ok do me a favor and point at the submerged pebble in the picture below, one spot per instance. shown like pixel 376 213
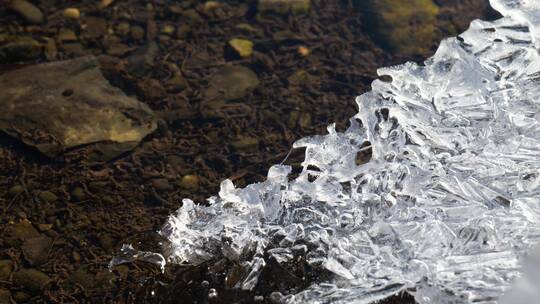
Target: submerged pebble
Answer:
pixel 30 279
pixel 30 12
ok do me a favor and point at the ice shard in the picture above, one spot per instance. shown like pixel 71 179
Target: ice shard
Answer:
pixel 445 209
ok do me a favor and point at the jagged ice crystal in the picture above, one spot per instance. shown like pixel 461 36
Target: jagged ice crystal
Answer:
pixel 445 208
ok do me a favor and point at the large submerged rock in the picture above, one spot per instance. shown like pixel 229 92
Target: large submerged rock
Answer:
pixel 62 105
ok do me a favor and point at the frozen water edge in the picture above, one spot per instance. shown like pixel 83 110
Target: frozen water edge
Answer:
pixel 446 207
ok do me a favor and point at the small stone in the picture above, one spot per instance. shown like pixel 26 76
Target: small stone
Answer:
pixel 304 51
pixel 276 297
pixel 78 194
pixel 211 5
pixel 168 29
pixel 44 227
pixel 245 143
pixel 247 27
pixel 6 267
pixel 66 35
pixel 76 256
pixel 30 279
pixel 72 13
pixel 243 47
pixel 47 196
pixel 162 184
pixel 190 182
pixel 36 250
pixel 293 119
pixel 192 15
pixel 231 82
pixel 20 48
pixel 21 231
pixel 28 11
pixel 304 120
pixel 107 200
pixel 15 190
pixel 105 3
pixel 5 296
pixel 137 32
pixel 123 29
pixel 118 49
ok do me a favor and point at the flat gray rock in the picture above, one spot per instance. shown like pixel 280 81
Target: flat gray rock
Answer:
pixel 62 105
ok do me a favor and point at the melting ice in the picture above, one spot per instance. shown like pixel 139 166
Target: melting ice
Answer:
pixel 446 207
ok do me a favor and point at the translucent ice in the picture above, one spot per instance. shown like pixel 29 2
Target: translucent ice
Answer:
pixel 446 207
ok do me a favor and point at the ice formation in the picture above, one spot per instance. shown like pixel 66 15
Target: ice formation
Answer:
pixel 447 205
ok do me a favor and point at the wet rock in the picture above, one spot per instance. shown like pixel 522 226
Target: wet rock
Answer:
pixel 36 250
pixel 78 194
pixel 19 48
pixel 190 182
pixel 404 27
pixel 6 267
pixel 284 6
pixel 5 296
pixel 72 13
pixel 30 13
pixel 30 279
pixel 47 196
pixel 242 47
pixel 231 82
pixel 245 143
pixel 71 104
pixel 143 60
pixel 137 32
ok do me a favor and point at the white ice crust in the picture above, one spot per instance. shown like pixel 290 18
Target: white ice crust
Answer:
pixel 445 209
